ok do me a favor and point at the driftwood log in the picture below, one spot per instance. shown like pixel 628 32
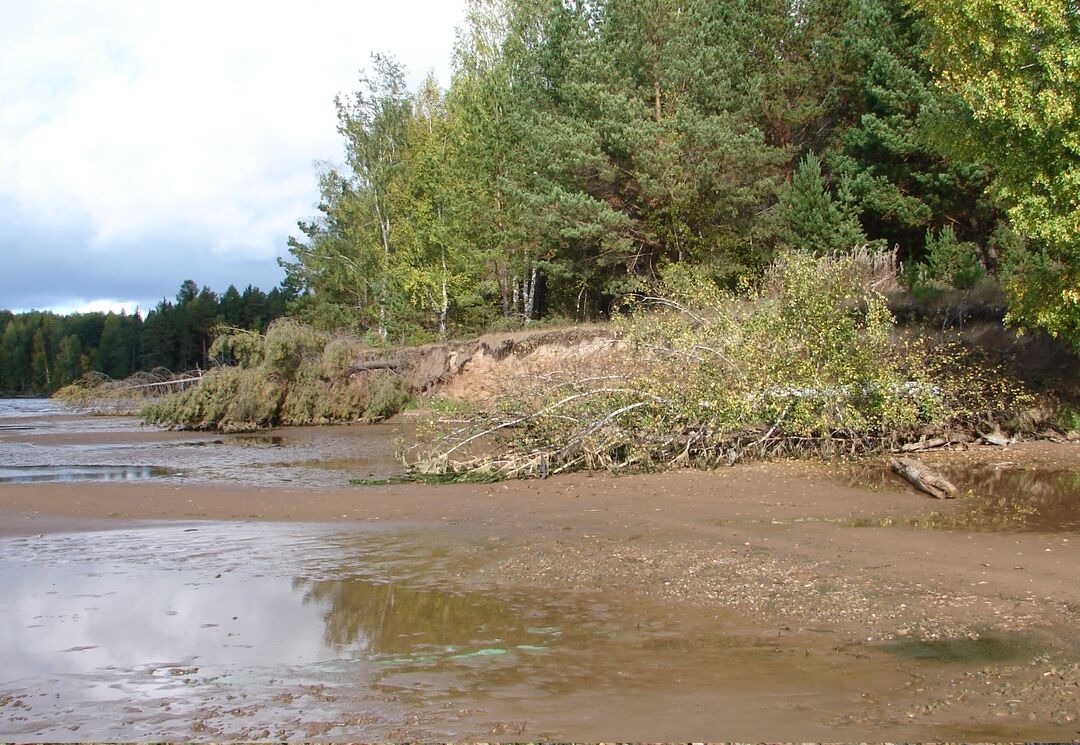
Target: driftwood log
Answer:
pixel 914 447
pixel 923 478
pixel 996 438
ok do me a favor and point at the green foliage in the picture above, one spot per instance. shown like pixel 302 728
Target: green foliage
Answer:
pixel 804 362
pixel 1043 290
pixel 237 347
pixel 811 219
pixel 289 346
pixel 1014 67
pixel 385 397
pixel 42 352
pixel 949 264
pixel 292 375
pixel 583 146
pixel 1068 420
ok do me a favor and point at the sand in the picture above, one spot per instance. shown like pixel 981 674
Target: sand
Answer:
pixel 780 543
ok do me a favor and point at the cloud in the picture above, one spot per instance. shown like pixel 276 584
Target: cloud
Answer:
pixel 45 266
pixel 139 129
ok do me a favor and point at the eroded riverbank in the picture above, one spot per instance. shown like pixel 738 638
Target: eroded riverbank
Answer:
pixel 781 601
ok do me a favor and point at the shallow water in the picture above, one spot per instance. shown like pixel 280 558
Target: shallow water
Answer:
pixel 38 474
pixel 243 631
pixel 1000 497
pixel 257 631
pixel 991 648
pixel 42 441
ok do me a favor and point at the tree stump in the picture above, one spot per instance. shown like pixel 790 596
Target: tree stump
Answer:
pixel 923 478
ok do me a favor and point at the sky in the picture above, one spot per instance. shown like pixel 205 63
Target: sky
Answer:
pixel 147 142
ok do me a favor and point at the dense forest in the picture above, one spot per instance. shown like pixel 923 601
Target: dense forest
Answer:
pixel 585 146
pixel 41 352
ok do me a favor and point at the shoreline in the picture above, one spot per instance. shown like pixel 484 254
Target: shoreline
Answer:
pixel 685 495
pixel 770 525
pixel 786 545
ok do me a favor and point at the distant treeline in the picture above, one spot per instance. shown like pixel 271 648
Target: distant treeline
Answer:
pixel 41 351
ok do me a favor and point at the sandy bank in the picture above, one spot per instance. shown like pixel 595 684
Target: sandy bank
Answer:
pixel 672 500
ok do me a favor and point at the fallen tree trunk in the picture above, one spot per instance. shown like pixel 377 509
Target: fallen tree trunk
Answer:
pixel 394 366
pixel 923 478
pixel 996 438
pixel 914 447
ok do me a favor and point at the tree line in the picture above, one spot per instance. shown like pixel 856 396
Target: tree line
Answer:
pixel 40 352
pixel 583 146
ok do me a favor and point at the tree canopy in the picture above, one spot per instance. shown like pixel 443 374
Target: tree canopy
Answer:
pixel 1013 67
pixel 584 145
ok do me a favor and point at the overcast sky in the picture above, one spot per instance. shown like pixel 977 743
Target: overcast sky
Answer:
pixel 147 142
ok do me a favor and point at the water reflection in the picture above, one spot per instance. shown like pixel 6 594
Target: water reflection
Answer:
pixel 39 474
pixel 212 631
pixel 1001 497
pixel 391 618
pixel 241 595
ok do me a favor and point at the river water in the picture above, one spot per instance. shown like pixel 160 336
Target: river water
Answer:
pixel 41 441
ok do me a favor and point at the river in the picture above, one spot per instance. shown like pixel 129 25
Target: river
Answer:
pixel 41 441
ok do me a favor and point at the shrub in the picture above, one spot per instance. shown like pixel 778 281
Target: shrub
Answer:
pixel 805 362
pixel 293 375
pixel 950 263
pixel 238 347
pixel 386 396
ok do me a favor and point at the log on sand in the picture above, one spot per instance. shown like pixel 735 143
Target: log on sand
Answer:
pixel 923 477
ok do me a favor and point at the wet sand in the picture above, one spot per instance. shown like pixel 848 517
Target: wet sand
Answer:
pixel 859 615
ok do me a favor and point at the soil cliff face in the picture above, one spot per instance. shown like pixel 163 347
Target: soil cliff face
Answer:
pixel 477 368
pixel 474 369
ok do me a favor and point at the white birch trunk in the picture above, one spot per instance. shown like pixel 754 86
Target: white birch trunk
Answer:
pixel 384 227
pixel 445 297
pixel 530 294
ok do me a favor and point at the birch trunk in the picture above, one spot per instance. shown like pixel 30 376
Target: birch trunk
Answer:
pixel 445 297
pixel 530 294
pixel 384 227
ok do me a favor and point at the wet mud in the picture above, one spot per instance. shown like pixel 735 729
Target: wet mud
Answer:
pixel 241 631
pixel 777 601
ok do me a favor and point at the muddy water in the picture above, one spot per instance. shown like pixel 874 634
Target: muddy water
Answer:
pixel 241 631
pixel 40 441
pixel 996 497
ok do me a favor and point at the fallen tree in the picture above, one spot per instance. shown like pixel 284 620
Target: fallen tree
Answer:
pixel 806 363
pixel 97 393
pixel 291 375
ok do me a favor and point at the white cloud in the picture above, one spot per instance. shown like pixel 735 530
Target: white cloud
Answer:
pixel 156 123
pixel 100 305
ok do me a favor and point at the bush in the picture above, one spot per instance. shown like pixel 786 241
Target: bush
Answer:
pixel 293 375
pixel 950 264
pixel 805 362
